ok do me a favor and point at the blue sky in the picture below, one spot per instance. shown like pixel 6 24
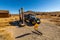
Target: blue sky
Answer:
pixel 35 5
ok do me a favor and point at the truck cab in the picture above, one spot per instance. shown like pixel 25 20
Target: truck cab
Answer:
pixel 32 19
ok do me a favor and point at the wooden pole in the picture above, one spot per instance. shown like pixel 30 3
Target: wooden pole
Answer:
pixel 19 15
pixel 22 12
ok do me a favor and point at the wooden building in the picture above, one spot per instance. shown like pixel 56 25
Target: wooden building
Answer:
pixel 4 13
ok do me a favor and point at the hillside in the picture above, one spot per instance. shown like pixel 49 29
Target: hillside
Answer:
pixel 49 27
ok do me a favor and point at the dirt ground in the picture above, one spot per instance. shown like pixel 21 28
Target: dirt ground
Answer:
pixel 49 30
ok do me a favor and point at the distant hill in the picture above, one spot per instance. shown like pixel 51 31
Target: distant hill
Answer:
pixel 43 13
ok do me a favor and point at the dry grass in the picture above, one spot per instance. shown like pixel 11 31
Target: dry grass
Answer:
pixel 45 28
pixel 56 20
pixel 5 28
pixel 5 35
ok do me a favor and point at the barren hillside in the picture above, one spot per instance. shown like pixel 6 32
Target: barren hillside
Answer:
pixel 49 27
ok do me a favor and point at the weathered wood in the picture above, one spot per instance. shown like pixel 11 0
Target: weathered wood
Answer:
pixel 4 13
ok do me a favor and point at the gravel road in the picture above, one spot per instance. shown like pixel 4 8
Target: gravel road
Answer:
pixel 49 32
pixel 47 29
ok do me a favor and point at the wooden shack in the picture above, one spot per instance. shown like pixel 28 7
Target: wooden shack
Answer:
pixel 4 13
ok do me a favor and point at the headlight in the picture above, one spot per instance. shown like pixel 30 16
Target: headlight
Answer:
pixel 38 21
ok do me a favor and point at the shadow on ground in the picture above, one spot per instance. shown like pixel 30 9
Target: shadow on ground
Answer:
pixel 34 32
pixel 23 35
pixel 16 23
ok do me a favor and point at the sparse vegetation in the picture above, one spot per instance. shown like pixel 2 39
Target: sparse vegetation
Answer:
pixel 45 28
pixel 56 20
pixel 4 35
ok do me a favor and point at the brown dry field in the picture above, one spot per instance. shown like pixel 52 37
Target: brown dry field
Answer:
pixel 49 27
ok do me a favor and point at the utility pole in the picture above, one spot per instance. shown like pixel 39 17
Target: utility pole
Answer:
pixel 21 17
